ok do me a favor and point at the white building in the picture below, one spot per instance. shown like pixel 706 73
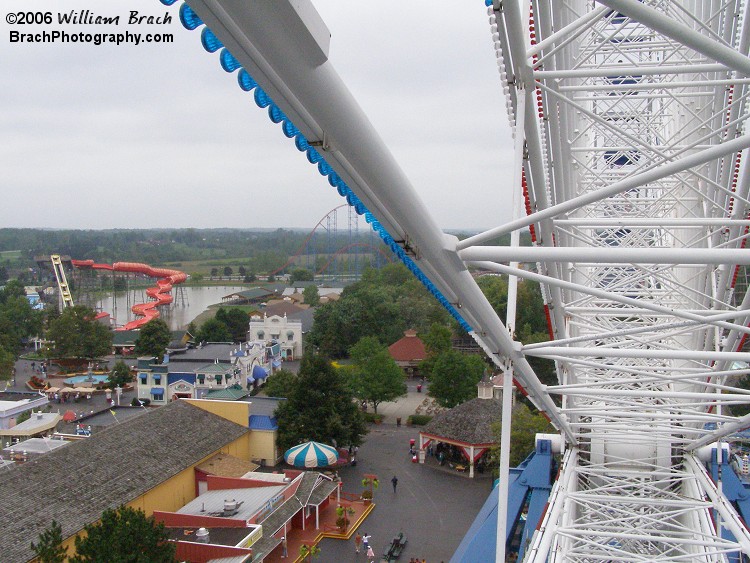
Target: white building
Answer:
pixel 288 334
pixel 14 403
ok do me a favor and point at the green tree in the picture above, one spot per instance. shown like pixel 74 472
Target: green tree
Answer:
pixel 50 549
pixel 7 364
pixel 236 321
pixel 320 407
pixel 311 296
pixel 454 377
pixel 77 334
pixel 213 330
pixel 228 271
pixel 280 383
pixel 300 274
pixel 153 339
pixel 18 319
pixel 122 536
pixel 436 342
pixel 377 378
pixel 525 425
pixel 119 376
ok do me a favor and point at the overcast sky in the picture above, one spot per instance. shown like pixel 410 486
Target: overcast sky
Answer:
pixel 160 136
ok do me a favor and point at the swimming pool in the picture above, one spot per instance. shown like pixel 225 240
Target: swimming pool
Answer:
pixel 85 378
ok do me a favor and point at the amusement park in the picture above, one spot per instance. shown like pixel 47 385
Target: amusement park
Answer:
pixel 335 252
pixel 569 384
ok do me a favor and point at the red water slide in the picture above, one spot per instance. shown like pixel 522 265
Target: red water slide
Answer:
pixel 160 293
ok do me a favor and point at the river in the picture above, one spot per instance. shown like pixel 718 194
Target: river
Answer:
pixel 189 302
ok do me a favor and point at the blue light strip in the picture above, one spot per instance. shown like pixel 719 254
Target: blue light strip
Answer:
pixel 211 43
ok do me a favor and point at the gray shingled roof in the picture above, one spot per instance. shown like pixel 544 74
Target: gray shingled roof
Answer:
pixel 468 422
pixel 322 491
pixel 75 484
pixel 282 514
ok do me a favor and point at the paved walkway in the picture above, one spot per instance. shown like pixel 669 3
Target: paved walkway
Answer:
pixel 433 508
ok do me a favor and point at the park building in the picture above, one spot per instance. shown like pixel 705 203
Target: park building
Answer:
pixel 15 403
pixel 203 449
pixel 286 332
pixel 202 372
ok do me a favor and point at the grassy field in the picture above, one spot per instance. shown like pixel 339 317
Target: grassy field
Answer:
pixel 10 255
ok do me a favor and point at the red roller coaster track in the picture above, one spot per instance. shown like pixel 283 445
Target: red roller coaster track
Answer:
pixel 160 293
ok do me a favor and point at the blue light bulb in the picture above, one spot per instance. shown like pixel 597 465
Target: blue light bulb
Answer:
pixel 209 41
pixel 168 2
pixel 360 208
pixel 228 62
pixel 313 156
pixel 189 18
pixel 324 168
pixel 301 143
pixel 289 129
pixel 275 114
pixel 246 81
pixel 262 99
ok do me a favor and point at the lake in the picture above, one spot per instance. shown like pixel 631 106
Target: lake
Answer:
pixel 189 302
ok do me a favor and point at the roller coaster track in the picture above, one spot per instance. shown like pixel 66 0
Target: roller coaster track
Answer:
pixel 322 224
pixel 160 293
pixel 631 170
pixel 345 249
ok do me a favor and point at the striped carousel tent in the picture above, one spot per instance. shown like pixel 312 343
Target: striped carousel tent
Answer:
pixel 311 454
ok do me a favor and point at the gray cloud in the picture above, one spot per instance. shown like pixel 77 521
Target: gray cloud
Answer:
pixel 142 136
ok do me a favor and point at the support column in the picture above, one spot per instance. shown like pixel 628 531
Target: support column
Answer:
pixel 471 462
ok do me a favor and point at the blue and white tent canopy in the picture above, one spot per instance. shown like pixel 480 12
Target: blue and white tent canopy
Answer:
pixel 311 454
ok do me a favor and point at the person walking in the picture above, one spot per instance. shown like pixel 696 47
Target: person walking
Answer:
pixel 366 540
pixel 357 542
pixel 370 554
pixel 283 547
pixel 394 481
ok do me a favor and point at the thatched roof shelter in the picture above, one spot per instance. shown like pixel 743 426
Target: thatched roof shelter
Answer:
pixel 467 426
pixel 467 423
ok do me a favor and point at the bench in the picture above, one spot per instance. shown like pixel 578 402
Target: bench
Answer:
pixel 396 547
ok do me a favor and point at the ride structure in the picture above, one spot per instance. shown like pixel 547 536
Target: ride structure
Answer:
pixel 337 253
pixel 66 297
pixel 631 171
pixel 160 293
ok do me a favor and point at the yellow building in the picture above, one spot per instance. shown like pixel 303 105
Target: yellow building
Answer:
pixel 147 462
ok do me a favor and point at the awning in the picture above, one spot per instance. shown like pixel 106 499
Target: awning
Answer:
pixel 259 372
pixel 276 363
pixel 157 391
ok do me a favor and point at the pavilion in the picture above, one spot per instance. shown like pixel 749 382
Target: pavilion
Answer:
pixel 466 426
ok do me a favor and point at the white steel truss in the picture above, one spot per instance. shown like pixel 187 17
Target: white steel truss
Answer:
pixel 636 177
pixel 629 120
